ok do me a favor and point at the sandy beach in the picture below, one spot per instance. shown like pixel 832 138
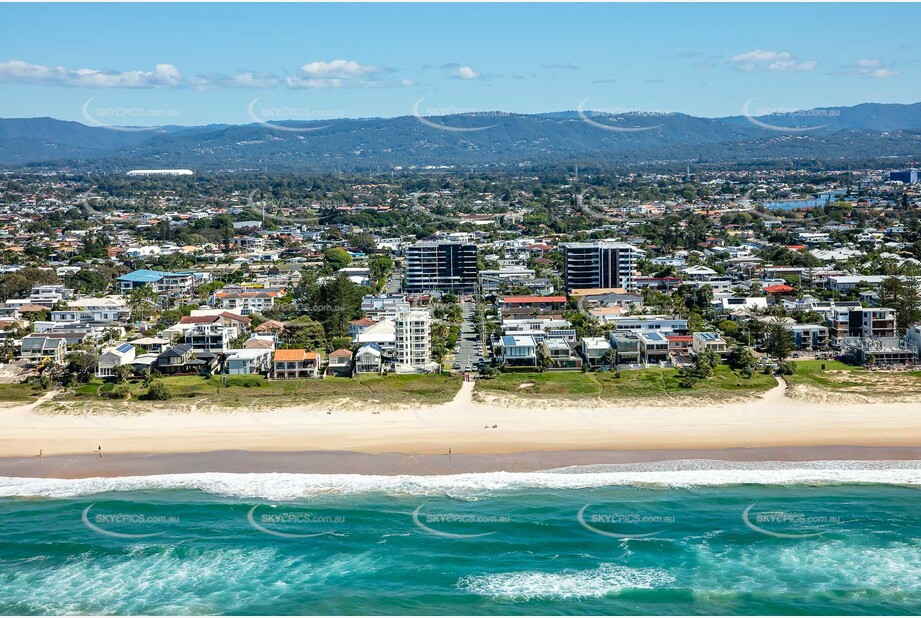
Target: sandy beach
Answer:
pixel 467 428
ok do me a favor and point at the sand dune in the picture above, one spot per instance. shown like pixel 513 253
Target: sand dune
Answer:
pixel 466 426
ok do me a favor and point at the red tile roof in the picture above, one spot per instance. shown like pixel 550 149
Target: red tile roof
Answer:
pixel 297 355
pixel 778 289
pixel 199 319
pixel 533 299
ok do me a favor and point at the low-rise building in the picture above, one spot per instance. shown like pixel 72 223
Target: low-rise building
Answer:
pixel 560 355
pixel 856 322
pixel 248 361
pixel 295 363
pixel 37 348
pixel 594 351
pixel 112 358
pixel 654 347
pixel 340 363
pixel 703 341
pixel 369 359
pixel 103 310
pixel 245 302
pixel 518 350
pixel 522 306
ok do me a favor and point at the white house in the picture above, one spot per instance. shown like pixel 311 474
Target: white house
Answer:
pixel 113 358
pixel 518 350
pixel 594 349
pixel 248 361
pixel 368 359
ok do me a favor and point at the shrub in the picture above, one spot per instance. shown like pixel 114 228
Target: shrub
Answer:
pixel 119 392
pixel 158 391
pixel 786 368
pixel 250 382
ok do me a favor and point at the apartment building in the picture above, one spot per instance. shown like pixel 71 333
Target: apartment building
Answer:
pixel 599 265
pixel 162 282
pixel 441 266
pixel 860 322
pixel 103 310
pixel 413 344
pixel 245 302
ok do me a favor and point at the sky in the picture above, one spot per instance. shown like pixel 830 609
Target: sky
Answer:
pixel 194 64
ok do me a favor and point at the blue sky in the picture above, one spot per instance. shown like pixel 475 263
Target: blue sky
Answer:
pixel 149 64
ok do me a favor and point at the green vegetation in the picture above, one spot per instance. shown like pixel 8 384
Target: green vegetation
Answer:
pixel 811 373
pixel 638 383
pixel 842 379
pixel 24 393
pixel 255 391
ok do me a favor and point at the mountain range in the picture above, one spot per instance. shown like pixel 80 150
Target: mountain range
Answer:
pixel 824 137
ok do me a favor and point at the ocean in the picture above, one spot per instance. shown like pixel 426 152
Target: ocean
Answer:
pixel 692 537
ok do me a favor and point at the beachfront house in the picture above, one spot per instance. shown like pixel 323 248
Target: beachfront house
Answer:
pixel 559 355
pixel 295 363
pixel 248 361
pixel 177 360
pixel 368 359
pixel 518 350
pixel 653 347
pixel 703 341
pixel 112 358
pixel 36 348
pixel 594 350
pixel 340 363
pixel 627 346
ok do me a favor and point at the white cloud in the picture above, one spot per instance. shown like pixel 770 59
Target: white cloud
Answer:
pixel 344 74
pixel 466 72
pixel 334 74
pixel 761 60
pixel 872 68
pixel 24 72
pixel 241 79
pixel 341 69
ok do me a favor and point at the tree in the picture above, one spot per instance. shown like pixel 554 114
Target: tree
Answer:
pixel 158 391
pixel 610 358
pixel 122 373
pixel 743 360
pixel 704 363
pixel 904 297
pixel 336 258
pixel 778 342
pixel 303 332
pixel 380 266
pixel 80 367
pixel 143 302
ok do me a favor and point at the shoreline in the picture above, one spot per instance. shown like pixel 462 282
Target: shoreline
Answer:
pixel 508 434
pixel 400 464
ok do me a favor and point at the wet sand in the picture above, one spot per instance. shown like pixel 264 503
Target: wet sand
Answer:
pixel 344 462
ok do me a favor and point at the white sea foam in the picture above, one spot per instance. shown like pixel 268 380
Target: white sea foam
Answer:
pixel 170 580
pixel 525 585
pixel 280 487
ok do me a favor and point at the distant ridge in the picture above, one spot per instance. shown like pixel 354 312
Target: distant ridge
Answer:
pixel 865 132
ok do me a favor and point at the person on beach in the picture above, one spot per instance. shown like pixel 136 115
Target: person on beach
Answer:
pixel 41 454
pixel 99 451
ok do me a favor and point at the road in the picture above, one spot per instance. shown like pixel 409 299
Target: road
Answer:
pixel 467 353
pixel 395 281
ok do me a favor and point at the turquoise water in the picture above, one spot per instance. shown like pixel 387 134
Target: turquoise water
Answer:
pixel 576 542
